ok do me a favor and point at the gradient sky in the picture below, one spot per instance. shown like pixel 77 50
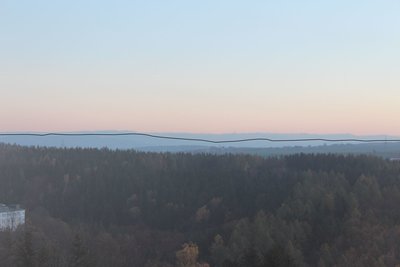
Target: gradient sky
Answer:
pixel 201 66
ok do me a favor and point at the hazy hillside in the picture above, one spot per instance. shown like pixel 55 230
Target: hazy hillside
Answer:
pixel 144 143
pixel 261 148
pixel 386 150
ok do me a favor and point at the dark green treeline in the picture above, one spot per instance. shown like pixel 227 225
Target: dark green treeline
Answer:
pixel 89 207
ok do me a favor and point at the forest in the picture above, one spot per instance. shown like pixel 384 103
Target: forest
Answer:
pixel 101 207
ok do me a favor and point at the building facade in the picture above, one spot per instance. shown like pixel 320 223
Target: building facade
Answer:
pixel 11 216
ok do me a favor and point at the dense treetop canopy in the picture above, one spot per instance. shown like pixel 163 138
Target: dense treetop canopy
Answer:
pixel 90 207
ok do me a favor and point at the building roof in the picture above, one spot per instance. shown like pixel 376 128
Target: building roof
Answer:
pixel 8 208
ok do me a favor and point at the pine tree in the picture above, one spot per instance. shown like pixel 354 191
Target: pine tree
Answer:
pixel 79 253
pixel 25 254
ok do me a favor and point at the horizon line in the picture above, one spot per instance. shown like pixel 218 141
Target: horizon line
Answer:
pixel 204 140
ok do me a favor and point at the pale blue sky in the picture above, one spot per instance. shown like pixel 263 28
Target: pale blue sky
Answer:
pixel 200 66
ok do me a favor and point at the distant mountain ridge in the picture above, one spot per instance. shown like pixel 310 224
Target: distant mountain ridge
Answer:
pixel 144 143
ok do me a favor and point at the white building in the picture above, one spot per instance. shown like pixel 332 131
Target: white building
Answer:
pixel 11 217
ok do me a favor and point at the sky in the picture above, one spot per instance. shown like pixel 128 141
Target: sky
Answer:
pixel 201 66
